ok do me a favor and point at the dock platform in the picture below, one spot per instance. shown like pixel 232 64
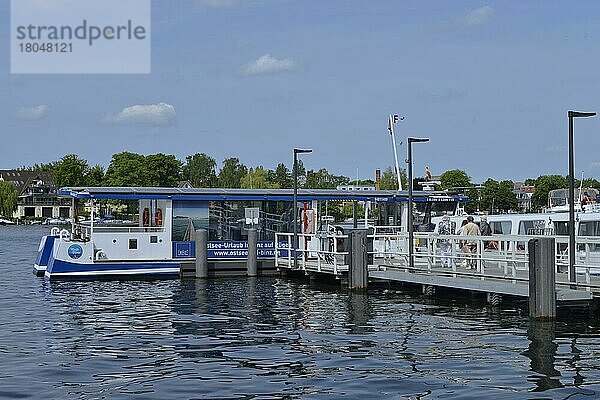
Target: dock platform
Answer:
pixel 503 271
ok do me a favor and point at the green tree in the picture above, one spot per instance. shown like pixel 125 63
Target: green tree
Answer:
pixel 543 185
pixel 127 169
pixel 322 179
pixel 8 199
pixel 281 177
pixel 232 173
pixel 201 170
pixel 95 176
pixel 162 170
pixel 455 178
pixel 256 178
pixel 70 171
pixel 498 196
pixel 388 180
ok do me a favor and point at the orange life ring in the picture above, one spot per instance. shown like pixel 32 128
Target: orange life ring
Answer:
pixel 158 217
pixel 146 217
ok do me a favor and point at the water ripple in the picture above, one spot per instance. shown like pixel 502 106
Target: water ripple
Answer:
pixel 273 338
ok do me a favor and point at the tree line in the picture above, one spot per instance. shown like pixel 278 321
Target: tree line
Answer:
pixel 201 170
pixel 494 196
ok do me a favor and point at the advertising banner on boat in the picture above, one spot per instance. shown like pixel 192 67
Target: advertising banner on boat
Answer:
pixel 227 250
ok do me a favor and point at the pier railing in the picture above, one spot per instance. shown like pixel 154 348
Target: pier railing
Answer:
pixel 498 257
pixel 484 257
pixel 315 252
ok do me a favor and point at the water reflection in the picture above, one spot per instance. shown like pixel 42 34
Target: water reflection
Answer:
pixel 542 353
pixel 275 338
pixel 359 312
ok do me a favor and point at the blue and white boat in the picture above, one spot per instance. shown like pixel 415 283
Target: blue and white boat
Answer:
pixel 160 240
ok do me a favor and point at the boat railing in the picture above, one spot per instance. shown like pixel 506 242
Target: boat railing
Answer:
pixel 85 230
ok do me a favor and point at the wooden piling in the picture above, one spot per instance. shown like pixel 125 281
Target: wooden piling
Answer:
pixel 201 240
pixel 358 274
pixel 542 280
pixel 251 261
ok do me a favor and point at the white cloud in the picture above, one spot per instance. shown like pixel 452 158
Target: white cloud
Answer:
pixel 595 165
pixel 477 17
pixel 32 113
pixel 161 114
pixel 268 65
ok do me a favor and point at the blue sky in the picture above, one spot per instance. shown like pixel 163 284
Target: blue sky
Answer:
pixel 489 83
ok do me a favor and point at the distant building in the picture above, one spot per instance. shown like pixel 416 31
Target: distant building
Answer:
pixel 523 193
pixel 37 195
pixel 185 185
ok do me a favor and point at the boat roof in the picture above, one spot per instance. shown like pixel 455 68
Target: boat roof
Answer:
pixel 225 194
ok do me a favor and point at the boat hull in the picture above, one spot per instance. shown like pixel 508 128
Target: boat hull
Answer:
pixel 75 260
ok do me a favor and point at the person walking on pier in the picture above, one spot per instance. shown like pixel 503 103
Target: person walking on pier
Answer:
pixel 471 229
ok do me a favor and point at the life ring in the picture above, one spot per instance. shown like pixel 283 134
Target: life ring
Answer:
pixel 158 217
pixel 146 217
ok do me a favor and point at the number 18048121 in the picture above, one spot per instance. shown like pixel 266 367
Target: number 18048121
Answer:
pixel 46 47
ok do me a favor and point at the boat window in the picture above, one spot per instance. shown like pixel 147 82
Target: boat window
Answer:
pixel 501 227
pixel 187 216
pixel 534 227
pixel 589 228
pixel 561 228
pixel 133 244
pixel 441 208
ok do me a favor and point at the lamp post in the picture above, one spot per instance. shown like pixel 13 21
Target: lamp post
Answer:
pixel 572 249
pixel 295 206
pixel 411 140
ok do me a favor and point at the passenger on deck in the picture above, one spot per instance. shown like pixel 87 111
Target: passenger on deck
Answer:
pixel 484 227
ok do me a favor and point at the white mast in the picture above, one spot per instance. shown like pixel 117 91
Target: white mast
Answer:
pixel 393 118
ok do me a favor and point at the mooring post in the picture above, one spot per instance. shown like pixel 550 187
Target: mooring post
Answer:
pixel 542 283
pixel 201 240
pixel 358 275
pixel 252 253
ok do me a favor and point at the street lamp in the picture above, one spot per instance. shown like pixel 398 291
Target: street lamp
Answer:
pixel 295 206
pixel 572 249
pixel 411 140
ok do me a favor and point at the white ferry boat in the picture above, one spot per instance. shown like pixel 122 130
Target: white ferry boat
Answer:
pixel 553 221
pixel 159 240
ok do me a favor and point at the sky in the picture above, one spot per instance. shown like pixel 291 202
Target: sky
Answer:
pixel 490 84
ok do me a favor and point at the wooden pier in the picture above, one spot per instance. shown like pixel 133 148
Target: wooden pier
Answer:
pixel 532 267
pixel 502 269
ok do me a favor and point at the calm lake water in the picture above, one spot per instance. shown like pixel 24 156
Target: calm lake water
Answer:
pixel 273 338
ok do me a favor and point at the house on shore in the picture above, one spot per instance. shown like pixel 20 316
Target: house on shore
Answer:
pixel 37 195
